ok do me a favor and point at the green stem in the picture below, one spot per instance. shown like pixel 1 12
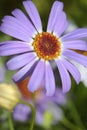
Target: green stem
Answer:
pixel 10 121
pixel 33 113
pixel 69 125
pixel 75 114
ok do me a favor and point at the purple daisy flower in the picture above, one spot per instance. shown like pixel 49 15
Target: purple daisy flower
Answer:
pixel 43 105
pixel 35 48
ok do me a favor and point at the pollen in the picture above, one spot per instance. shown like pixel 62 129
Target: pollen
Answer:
pixel 47 46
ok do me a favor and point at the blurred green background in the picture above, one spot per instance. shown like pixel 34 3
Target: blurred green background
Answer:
pixel 76 11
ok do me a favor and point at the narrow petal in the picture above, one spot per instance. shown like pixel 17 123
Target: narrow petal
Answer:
pixel 76 57
pixel 15 22
pixel 24 71
pixel 23 19
pixel 33 14
pixel 20 61
pixel 55 11
pixel 60 25
pixel 66 82
pixel 76 34
pixel 14 44
pixel 12 51
pixel 76 44
pixel 14 47
pixel 73 70
pixel 49 80
pixel 16 29
pixel 37 76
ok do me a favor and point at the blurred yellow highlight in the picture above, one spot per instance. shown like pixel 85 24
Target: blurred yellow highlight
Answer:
pixel 9 96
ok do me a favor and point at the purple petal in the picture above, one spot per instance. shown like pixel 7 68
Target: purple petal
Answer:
pixel 59 97
pixel 61 24
pixel 39 117
pixel 23 19
pixel 54 14
pixel 20 61
pixel 21 112
pixel 14 42
pixel 37 76
pixel 66 82
pixel 76 34
pixel 20 117
pixel 33 14
pixel 73 70
pixel 16 29
pixel 19 75
pixel 17 24
pixel 76 57
pixel 49 80
pixel 76 44
pixel 14 47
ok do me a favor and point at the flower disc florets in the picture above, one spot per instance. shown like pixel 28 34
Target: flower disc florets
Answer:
pixel 47 46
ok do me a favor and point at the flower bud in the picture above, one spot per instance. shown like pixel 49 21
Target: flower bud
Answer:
pixel 9 96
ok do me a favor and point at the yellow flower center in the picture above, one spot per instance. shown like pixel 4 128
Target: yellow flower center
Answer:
pixel 47 46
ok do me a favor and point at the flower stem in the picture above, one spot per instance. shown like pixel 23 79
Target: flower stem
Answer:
pixel 33 113
pixel 10 121
pixel 69 125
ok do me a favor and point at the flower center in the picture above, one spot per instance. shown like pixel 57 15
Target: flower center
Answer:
pixel 47 46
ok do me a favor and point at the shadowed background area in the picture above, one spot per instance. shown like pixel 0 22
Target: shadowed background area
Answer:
pixel 75 9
